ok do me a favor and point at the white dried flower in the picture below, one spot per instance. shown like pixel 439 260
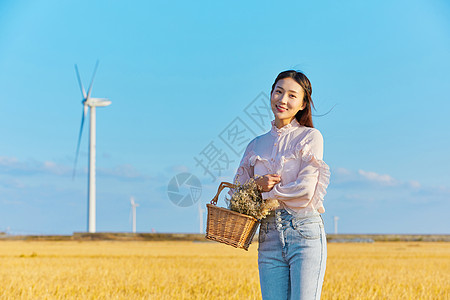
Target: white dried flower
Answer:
pixel 247 200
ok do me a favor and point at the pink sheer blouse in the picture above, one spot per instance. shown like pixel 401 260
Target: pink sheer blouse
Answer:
pixel 295 152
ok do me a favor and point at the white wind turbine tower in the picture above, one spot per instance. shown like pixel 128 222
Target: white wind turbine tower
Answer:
pixel 90 103
pixel 336 218
pixel 133 207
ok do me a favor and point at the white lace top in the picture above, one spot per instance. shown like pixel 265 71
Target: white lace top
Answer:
pixel 295 152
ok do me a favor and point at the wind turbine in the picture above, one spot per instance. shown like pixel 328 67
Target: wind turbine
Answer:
pixel 336 218
pixel 90 103
pixel 133 207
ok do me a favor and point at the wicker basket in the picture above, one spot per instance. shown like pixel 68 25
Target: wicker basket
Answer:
pixel 229 227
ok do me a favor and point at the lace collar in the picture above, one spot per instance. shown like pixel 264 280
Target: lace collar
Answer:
pixel 285 129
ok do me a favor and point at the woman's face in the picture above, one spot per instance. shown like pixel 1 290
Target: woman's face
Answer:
pixel 286 100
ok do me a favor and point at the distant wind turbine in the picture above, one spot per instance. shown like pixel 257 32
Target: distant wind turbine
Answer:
pixel 133 207
pixel 336 218
pixel 91 103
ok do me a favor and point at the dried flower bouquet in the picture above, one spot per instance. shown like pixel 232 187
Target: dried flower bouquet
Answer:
pixel 247 200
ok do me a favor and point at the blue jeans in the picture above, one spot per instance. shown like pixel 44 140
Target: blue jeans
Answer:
pixel 292 256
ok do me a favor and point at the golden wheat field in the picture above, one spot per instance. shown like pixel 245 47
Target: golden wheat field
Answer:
pixel 209 270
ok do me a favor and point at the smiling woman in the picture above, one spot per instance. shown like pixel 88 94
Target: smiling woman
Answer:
pixel 287 164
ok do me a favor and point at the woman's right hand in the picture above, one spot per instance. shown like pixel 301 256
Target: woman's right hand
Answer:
pixel 267 182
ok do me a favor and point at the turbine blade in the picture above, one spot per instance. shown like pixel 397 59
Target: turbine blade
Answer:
pixel 92 80
pixel 83 116
pixel 83 92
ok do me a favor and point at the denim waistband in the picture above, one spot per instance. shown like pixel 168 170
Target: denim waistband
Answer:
pixel 283 216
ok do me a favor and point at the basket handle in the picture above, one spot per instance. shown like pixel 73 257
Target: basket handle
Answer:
pixel 221 187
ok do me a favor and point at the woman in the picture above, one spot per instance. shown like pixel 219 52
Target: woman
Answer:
pixel 287 165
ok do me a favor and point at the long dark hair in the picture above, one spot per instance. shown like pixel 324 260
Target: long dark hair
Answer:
pixel 304 116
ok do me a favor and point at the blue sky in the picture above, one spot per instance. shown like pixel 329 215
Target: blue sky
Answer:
pixel 179 73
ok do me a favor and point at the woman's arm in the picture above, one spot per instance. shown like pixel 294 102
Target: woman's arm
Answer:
pixel 313 171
